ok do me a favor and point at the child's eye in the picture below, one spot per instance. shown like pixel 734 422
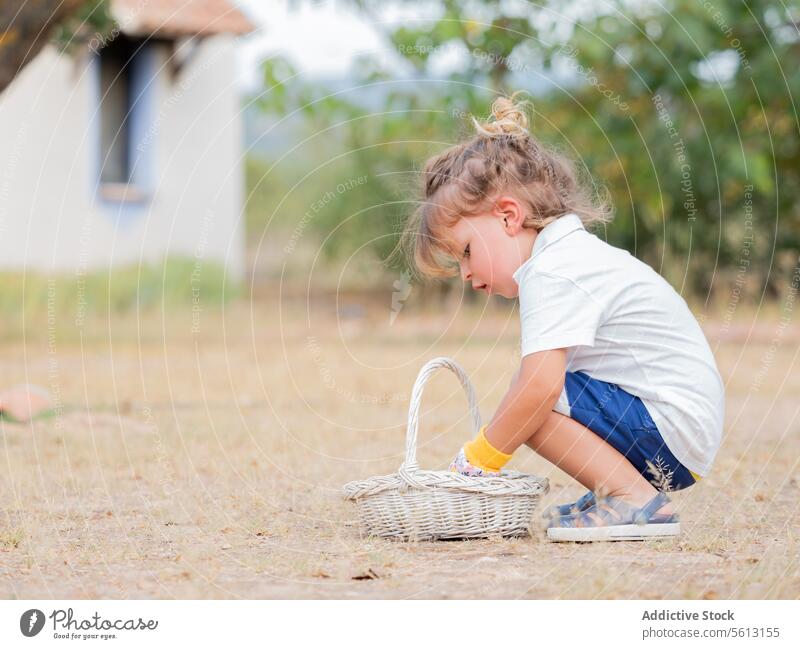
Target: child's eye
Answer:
pixel 466 251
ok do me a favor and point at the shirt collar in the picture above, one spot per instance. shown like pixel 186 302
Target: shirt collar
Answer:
pixel 549 234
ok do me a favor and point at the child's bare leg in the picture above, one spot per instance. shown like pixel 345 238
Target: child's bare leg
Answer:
pixel 592 461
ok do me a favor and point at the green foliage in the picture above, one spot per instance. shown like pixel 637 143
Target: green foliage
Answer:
pixel 92 20
pixel 684 111
pixel 29 299
pixel 707 100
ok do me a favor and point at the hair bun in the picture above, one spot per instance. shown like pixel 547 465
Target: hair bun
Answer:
pixel 508 117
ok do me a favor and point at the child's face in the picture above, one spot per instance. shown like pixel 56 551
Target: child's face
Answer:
pixel 492 246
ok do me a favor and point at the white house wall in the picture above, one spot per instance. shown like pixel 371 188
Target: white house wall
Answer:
pixel 188 146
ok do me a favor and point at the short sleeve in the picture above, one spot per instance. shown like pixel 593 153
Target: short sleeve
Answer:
pixel 555 312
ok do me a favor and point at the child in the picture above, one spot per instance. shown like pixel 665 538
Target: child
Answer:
pixel 617 385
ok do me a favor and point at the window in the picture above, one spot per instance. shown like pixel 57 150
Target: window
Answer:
pixel 121 106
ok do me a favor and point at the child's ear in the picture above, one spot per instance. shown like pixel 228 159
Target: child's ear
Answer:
pixel 510 211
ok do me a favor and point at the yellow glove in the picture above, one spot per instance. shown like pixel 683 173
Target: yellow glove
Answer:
pixel 482 455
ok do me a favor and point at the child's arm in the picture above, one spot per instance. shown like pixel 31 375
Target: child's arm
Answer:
pixel 529 400
pixel 526 405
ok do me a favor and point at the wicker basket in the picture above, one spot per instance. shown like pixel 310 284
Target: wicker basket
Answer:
pixel 425 505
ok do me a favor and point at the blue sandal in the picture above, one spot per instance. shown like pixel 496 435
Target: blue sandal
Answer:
pixel 619 521
pixel 583 503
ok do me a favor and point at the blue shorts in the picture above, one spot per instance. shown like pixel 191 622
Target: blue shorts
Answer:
pixel 622 420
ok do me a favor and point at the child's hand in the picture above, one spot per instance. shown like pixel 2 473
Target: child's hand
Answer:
pixel 461 465
pixel 479 458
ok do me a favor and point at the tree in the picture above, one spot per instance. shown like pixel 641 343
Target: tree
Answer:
pixel 26 27
pixel 686 112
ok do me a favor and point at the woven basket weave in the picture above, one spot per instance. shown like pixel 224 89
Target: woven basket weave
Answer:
pixel 421 505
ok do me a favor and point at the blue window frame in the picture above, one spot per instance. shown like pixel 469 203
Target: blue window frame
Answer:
pixel 125 72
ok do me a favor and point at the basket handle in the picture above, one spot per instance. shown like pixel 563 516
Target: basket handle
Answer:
pixel 410 466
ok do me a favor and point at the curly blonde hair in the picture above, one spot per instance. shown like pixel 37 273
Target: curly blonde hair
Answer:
pixel 464 180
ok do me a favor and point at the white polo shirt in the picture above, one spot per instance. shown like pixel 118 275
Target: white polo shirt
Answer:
pixel 623 323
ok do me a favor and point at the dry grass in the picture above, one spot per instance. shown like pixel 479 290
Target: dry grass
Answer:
pixel 208 465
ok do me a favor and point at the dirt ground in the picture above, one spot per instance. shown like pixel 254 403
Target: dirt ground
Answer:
pixel 202 456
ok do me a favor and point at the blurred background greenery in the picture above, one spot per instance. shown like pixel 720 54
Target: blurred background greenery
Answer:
pixel 682 112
